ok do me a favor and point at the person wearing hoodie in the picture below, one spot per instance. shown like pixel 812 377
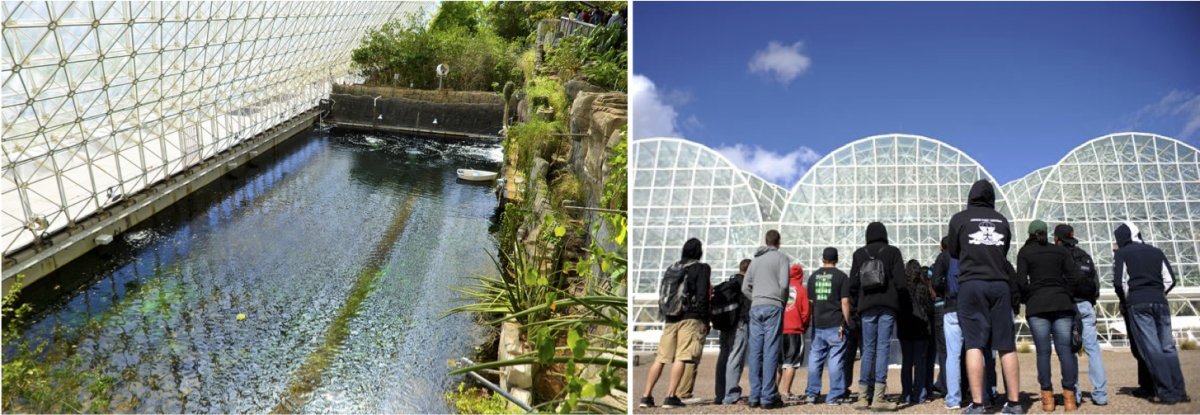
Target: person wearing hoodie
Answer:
pixel 829 292
pixel 1142 277
pixel 795 323
pixel 877 308
pixel 1045 277
pixel 682 339
pixel 1087 291
pixel 945 284
pixel 736 356
pixel 767 286
pixel 979 237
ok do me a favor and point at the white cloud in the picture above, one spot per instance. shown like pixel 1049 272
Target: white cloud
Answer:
pixel 782 169
pixel 1177 108
pixel 783 63
pixel 651 116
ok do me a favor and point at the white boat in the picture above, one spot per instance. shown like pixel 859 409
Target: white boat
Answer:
pixel 477 175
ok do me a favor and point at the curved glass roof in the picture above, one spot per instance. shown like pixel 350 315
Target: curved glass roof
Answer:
pixel 771 197
pixel 1150 180
pixel 681 190
pixel 912 184
pixel 102 99
pixel 1022 192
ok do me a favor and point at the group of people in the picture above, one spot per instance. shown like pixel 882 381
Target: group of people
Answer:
pixel 961 312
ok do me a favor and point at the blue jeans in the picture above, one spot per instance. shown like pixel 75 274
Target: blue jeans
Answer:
pixel 1152 328
pixel 826 347
pixel 1091 345
pixel 734 364
pixel 954 350
pixel 914 381
pixel 1057 327
pixel 877 337
pixel 765 327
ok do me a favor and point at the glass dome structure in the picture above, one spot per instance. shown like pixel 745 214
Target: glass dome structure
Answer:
pixel 679 190
pixel 912 184
pixel 771 198
pixel 1021 193
pixel 104 99
pixel 1149 180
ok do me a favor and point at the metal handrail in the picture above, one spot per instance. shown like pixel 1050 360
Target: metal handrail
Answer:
pixel 495 388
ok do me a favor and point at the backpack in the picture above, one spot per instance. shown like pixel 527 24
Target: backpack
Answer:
pixel 673 295
pixel 873 275
pixel 952 279
pixel 726 303
pixel 1088 283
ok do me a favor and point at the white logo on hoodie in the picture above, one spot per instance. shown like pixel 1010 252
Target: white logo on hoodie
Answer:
pixel 986 235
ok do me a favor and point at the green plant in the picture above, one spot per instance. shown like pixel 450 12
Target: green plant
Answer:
pixel 467 400
pixel 518 289
pixel 530 139
pixel 550 91
pixel 1024 347
pixel 1189 344
pixel 565 187
pixel 35 376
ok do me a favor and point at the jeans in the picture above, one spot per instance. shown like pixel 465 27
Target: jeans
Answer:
pixel 877 337
pixel 1054 326
pixel 913 370
pixel 725 343
pixel 1091 345
pixel 853 344
pixel 765 328
pixel 939 345
pixel 1152 327
pixel 826 347
pixel 954 350
pixel 736 361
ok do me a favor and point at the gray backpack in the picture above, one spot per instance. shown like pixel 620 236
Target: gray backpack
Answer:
pixel 673 295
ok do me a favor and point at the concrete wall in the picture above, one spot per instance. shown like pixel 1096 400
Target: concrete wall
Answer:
pixel 459 112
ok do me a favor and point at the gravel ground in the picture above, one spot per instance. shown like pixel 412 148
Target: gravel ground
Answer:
pixel 1120 365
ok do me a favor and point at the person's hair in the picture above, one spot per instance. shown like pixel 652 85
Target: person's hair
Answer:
pixel 826 261
pixel 912 269
pixel 1038 237
pixel 745 265
pixel 773 238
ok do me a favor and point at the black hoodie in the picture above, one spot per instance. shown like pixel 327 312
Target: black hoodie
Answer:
pixel 1141 273
pixel 871 302
pixel 1045 276
pixel 980 237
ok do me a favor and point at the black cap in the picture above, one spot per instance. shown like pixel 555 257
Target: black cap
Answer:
pixel 1063 231
pixel 829 254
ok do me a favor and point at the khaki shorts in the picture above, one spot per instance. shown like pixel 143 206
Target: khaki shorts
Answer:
pixel 681 341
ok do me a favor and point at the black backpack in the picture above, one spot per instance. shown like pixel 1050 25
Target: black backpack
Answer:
pixel 726 305
pixel 873 274
pixel 673 293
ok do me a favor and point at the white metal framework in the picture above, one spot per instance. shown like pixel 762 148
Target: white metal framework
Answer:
pixel 1021 193
pixel 103 99
pixel 681 190
pixel 771 198
pixel 912 184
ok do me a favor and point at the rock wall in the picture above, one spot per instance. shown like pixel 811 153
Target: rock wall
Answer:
pixel 454 111
pixel 598 116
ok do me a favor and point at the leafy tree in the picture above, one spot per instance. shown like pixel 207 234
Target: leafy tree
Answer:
pixel 452 14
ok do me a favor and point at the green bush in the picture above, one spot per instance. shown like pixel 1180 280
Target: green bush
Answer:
pixel 550 91
pixel 529 139
pixel 468 400
pixel 406 49
pixel 1189 345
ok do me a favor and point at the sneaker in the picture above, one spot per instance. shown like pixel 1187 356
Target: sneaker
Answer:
pixel 773 405
pixel 753 405
pixel 1012 409
pixel 952 408
pixel 1099 402
pixel 810 399
pixel 672 402
pixel 791 398
pixel 974 409
pixel 647 402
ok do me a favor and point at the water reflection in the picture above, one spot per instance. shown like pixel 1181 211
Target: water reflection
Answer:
pixel 283 243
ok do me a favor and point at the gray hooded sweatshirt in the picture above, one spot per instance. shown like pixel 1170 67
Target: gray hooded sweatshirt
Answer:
pixel 766 281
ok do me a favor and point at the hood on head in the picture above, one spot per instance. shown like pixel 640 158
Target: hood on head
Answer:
pixel 982 195
pixel 762 250
pixel 692 250
pixel 876 232
pixel 796 272
pixel 1128 233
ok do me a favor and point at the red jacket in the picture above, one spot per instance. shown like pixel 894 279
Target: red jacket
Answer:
pixel 795 315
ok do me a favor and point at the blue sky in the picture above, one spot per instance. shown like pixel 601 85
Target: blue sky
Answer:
pixel 1015 85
